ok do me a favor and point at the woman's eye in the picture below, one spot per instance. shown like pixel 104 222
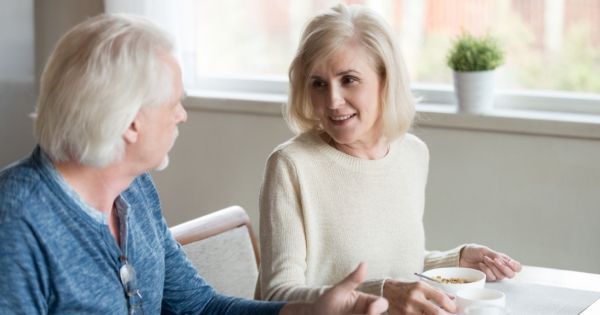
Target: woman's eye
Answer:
pixel 318 84
pixel 349 80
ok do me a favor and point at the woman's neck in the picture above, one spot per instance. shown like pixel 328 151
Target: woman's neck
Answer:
pixel 372 150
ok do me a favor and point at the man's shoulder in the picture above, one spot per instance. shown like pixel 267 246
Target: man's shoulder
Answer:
pixel 18 183
pixel 143 181
pixel 142 192
pixel 19 169
pixel 142 187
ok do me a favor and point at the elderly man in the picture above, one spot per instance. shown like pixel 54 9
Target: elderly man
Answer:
pixel 81 228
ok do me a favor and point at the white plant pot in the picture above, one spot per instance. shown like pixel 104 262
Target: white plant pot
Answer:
pixel 474 91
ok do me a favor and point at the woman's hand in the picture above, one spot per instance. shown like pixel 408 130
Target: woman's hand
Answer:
pixel 413 298
pixel 496 266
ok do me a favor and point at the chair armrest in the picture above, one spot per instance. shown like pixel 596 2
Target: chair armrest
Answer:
pixel 213 224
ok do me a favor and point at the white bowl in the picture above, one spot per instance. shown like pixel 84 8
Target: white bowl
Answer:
pixel 476 279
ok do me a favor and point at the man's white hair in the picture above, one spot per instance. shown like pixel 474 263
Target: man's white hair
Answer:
pixel 100 75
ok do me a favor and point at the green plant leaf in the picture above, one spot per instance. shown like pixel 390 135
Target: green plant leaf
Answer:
pixel 469 53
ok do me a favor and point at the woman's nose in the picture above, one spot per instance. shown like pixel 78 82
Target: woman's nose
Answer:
pixel 335 98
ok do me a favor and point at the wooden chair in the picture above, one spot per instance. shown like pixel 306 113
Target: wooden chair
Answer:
pixel 222 246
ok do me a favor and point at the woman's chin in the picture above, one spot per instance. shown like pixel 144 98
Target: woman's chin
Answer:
pixel 342 135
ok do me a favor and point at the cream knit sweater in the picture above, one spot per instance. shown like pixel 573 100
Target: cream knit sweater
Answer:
pixel 323 211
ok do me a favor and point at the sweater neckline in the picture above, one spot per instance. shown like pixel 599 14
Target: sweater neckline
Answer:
pixel 66 193
pixel 357 164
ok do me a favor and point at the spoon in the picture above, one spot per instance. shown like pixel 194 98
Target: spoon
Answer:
pixel 428 278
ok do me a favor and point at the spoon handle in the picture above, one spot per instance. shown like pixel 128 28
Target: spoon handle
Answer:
pixel 428 278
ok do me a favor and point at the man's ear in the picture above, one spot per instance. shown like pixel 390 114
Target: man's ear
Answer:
pixel 132 133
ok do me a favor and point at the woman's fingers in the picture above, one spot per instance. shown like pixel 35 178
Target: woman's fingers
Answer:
pixel 441 298
pixel 489 275
pixel 495 265
pixel 514 265
pixel 417 298
pixel 492 265
pixel 432 309
pixel 503 267
pixel 377 306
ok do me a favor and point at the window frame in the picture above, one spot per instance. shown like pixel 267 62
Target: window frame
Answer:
pixel 269 87
pixel 545 113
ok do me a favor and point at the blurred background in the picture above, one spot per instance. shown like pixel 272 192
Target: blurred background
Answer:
pixel 549 44
pixel 523 182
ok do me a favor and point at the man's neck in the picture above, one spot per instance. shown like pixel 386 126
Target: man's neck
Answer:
pixel 99 187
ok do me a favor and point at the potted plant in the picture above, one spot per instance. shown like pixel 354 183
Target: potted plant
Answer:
pixel 473 60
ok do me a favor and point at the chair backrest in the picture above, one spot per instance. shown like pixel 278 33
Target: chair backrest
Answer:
pixel 222 246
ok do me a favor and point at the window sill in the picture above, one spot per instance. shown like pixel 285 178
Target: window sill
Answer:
pixel 519 121
pixel 235 102
pixel 545 123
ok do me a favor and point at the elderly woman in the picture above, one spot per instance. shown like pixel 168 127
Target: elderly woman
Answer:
pixel 350 186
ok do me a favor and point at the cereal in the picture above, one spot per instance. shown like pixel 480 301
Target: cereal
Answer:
pixel 452 280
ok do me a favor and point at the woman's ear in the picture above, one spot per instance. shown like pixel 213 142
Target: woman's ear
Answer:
pixel 132 133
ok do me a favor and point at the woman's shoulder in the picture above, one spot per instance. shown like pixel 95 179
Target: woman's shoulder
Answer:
pixel 410 151
pixel 411 141
pixel 304 144
pixel 296 152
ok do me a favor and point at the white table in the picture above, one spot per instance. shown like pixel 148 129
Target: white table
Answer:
pixel 563 278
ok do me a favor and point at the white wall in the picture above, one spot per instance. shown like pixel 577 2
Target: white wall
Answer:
pixel 17 79
pixel 218 161
pixel 53 18
pixel 29 31
pixel 533 197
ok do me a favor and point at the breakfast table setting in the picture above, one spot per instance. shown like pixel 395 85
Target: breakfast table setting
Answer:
pixel 533 291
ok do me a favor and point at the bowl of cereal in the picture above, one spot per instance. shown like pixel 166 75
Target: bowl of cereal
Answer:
pixel 455 279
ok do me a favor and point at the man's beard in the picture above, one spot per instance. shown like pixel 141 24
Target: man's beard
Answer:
pixel 165 162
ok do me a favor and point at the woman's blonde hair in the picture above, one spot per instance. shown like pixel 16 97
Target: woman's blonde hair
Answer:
pixel 100 75
pixel 325 35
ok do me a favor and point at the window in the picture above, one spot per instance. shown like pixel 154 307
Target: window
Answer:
pixel 552 46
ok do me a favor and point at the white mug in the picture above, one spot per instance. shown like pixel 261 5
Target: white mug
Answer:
pixel 470 297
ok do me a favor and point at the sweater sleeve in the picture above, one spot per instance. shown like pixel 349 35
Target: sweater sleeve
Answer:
pixel 282 235
pixel 437 259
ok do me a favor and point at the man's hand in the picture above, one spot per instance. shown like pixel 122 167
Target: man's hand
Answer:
pixel 341 299
pixel 496 266
pixel 414 298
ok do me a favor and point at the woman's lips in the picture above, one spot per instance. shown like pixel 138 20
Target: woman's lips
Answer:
pixel 341 119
